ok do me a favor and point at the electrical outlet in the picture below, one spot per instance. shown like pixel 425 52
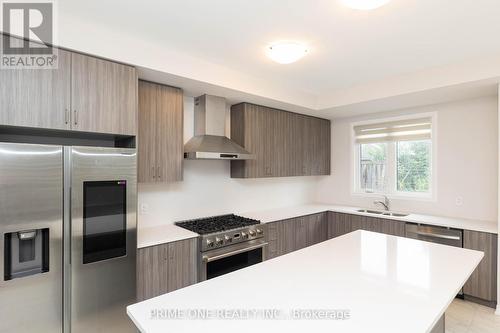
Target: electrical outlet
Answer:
pixel 459 201
pixel 144 209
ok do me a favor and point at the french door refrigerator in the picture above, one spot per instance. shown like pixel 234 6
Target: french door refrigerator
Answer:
pixel 68 238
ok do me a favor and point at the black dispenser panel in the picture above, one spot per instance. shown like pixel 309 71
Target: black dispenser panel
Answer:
pixel 26 253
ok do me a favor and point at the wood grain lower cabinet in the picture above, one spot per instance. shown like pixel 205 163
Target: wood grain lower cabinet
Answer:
pixel 294 234
pixel 166 267
pixel 483 281
pixel 103 96
pixel 284 143
pixel 317 228
pixel 160 139
pixel 341 223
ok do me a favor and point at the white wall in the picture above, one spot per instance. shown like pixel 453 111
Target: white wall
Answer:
pixel 467 162
pixel 207 189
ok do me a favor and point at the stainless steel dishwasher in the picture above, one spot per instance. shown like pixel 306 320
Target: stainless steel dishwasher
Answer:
pixel 441 235
pixel 433 234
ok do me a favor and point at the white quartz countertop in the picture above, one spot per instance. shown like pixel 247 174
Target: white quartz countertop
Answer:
pixel 301 210
pixel 381 283
pixel 168 232
pixel 162 234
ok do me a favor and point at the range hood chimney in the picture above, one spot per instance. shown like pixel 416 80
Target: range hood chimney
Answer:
pixel 209 142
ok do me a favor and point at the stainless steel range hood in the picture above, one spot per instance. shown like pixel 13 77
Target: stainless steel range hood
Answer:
pixel 209 142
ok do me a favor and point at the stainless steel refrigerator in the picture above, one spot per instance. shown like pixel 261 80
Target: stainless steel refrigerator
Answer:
pixel 68 238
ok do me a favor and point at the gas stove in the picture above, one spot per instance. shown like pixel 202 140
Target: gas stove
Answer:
pixel 224 230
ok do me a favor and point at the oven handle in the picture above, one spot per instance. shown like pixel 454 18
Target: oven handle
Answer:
pixel 209 258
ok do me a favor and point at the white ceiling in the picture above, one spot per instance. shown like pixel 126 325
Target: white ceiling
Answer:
pixel 347 48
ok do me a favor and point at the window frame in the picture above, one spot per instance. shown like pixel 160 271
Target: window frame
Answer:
pixel 391 188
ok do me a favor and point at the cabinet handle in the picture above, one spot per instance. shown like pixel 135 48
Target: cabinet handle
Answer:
pixel 153 172
pixel 76 116
pixel 159 175
pixel 66 116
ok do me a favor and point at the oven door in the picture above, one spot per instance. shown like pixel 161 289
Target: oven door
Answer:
pixel 229 259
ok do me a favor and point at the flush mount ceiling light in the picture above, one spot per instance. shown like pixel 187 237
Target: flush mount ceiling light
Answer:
pixel 286 52
pixel 364 4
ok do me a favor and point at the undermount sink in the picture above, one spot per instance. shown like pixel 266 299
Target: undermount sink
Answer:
pixel 381 212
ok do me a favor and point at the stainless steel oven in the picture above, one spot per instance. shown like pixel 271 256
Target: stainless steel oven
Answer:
pixel 231 258
pixel 227 243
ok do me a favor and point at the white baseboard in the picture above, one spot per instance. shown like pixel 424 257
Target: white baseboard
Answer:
pixel 497 312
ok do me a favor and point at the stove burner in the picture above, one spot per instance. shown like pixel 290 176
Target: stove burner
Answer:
pixel 217 223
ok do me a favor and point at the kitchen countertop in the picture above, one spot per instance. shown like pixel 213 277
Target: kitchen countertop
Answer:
pixel 301 210
pixel 169 232
pixel 381 283
pixel 162 234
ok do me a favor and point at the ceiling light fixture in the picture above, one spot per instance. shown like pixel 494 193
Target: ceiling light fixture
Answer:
pixel 286 52
pixel 364 4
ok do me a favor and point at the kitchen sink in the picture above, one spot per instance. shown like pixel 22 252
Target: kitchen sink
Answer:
pixel 381 212
pixel 369 211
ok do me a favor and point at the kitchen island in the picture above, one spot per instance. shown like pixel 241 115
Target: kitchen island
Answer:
pixel 359 282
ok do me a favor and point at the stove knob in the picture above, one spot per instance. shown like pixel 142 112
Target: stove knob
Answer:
pixel 210 243
pixel 259 231
pixel 252 233
pixel 227 239
pixel 244 235
pixel 219 241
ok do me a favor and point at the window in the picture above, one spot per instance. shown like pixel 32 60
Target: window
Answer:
pixel 394 157
pixel 373 166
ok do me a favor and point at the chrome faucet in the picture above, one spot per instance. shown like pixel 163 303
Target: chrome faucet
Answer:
pixel 386 203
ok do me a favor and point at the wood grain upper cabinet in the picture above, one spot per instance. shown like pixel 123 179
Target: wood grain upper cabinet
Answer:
pixel 483 281
pixel 160 138
pixel 166 267
pixel 103 95
pixel 37 97
pixel 284 143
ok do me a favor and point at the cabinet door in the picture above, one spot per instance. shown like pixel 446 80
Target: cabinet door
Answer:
pixel 299 156
pixel 391 227
pixel 324 151
pixel 339 224
pixel 255 141
pixel 272 249
pixel 373 224
pixel 317 228
pixel 301 228
pixel 182 261
pixel 165 268
pixel 483 281
pixel 152 271
pixel 358 222
pixel 147 139
pixel 169 134
pixel 103 96
pixel 37 97
pixel 288 234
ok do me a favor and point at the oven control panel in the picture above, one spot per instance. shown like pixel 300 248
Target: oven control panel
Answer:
pixel 230 237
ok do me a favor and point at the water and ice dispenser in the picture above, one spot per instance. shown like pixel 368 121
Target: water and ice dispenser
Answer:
pixel 26 253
